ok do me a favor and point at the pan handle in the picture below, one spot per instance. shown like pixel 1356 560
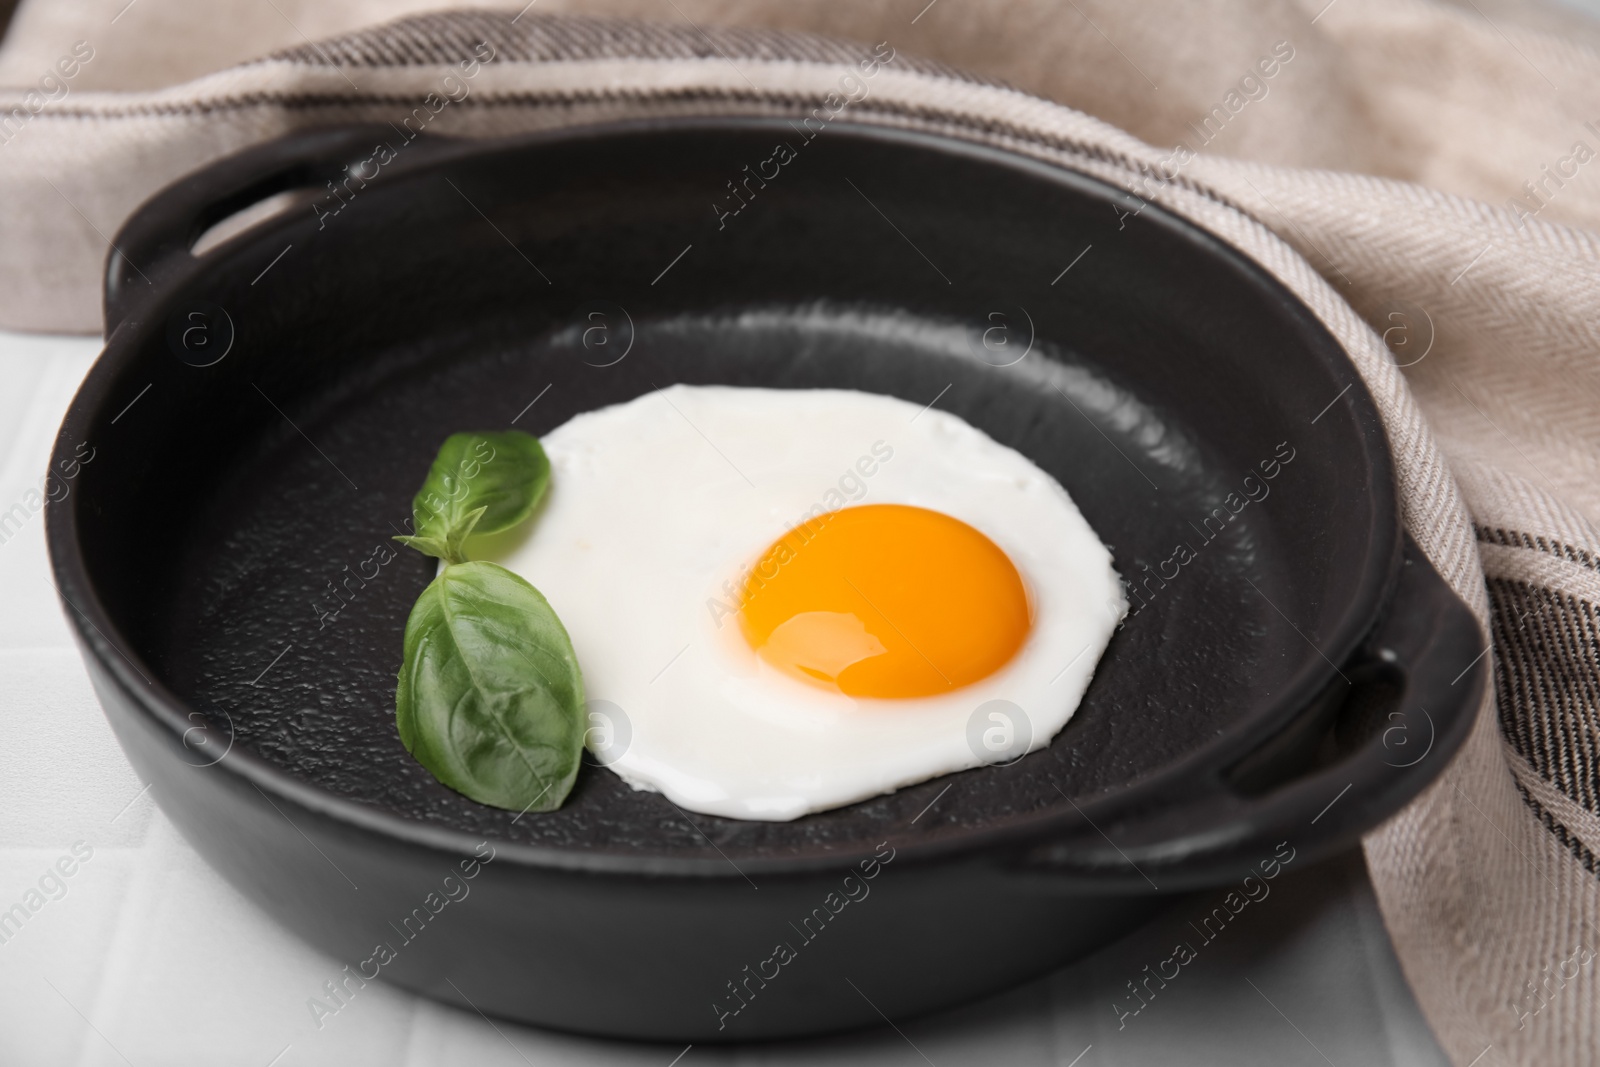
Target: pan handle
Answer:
pixel 154 243
pixel 1355 757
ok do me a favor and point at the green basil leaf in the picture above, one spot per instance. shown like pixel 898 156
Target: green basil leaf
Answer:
pixel 480 483
pixel 490 698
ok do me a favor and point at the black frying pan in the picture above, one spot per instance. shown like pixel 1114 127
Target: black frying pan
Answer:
pixel 263 413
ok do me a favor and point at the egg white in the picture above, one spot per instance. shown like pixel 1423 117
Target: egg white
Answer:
pixel 656 509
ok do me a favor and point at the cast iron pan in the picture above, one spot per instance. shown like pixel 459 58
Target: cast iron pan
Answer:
pixel 263 413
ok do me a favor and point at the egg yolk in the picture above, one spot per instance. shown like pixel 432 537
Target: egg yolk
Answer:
pixel 885 600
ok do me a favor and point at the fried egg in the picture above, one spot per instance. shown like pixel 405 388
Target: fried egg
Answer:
pixel 784 601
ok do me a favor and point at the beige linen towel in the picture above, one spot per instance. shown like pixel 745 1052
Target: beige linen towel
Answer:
pixel 1423 175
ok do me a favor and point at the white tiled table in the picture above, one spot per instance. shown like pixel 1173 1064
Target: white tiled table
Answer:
pixel 150 959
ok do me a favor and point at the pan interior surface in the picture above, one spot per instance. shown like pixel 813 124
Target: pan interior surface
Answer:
pixel 241 525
